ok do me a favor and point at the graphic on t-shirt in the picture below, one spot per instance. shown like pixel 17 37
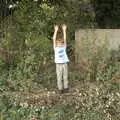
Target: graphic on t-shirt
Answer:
pixel 61 56
pixel 61 51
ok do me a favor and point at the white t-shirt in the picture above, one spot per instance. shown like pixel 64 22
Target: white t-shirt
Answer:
pixel 61 55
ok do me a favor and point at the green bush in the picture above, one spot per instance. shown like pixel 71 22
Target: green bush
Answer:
pixel 31 62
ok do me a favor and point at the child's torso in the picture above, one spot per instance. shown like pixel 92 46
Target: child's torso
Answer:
pixel 60 55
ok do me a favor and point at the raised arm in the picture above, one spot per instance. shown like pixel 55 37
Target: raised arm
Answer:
pixel 54 35
pixel 64 27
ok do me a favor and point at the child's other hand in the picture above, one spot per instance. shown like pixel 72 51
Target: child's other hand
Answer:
pixel 56 27
pixel 64 27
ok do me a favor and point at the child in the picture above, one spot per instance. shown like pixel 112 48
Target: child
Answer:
pixel 61 58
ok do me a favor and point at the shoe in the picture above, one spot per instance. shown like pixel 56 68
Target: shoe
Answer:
pixel 59 91
pixel 66 90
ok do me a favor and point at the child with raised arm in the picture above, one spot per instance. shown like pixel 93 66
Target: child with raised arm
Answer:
pixel 61 58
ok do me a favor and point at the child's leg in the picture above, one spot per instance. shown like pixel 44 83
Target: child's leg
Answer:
pixel 65 76
pixel 59 76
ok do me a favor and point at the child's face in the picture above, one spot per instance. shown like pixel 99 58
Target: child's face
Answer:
pixel 59 43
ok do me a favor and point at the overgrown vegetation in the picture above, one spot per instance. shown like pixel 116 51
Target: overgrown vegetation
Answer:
pixel 27 71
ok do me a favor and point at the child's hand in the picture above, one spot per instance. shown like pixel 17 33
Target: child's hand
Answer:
pixel 64 27
pixel 56 27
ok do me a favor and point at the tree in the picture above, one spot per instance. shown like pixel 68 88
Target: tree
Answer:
pixel 107 13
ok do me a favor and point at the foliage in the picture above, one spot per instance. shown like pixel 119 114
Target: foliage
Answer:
pixel 26 63
pixel 31 64
pixel 88 101
pixel 107 13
